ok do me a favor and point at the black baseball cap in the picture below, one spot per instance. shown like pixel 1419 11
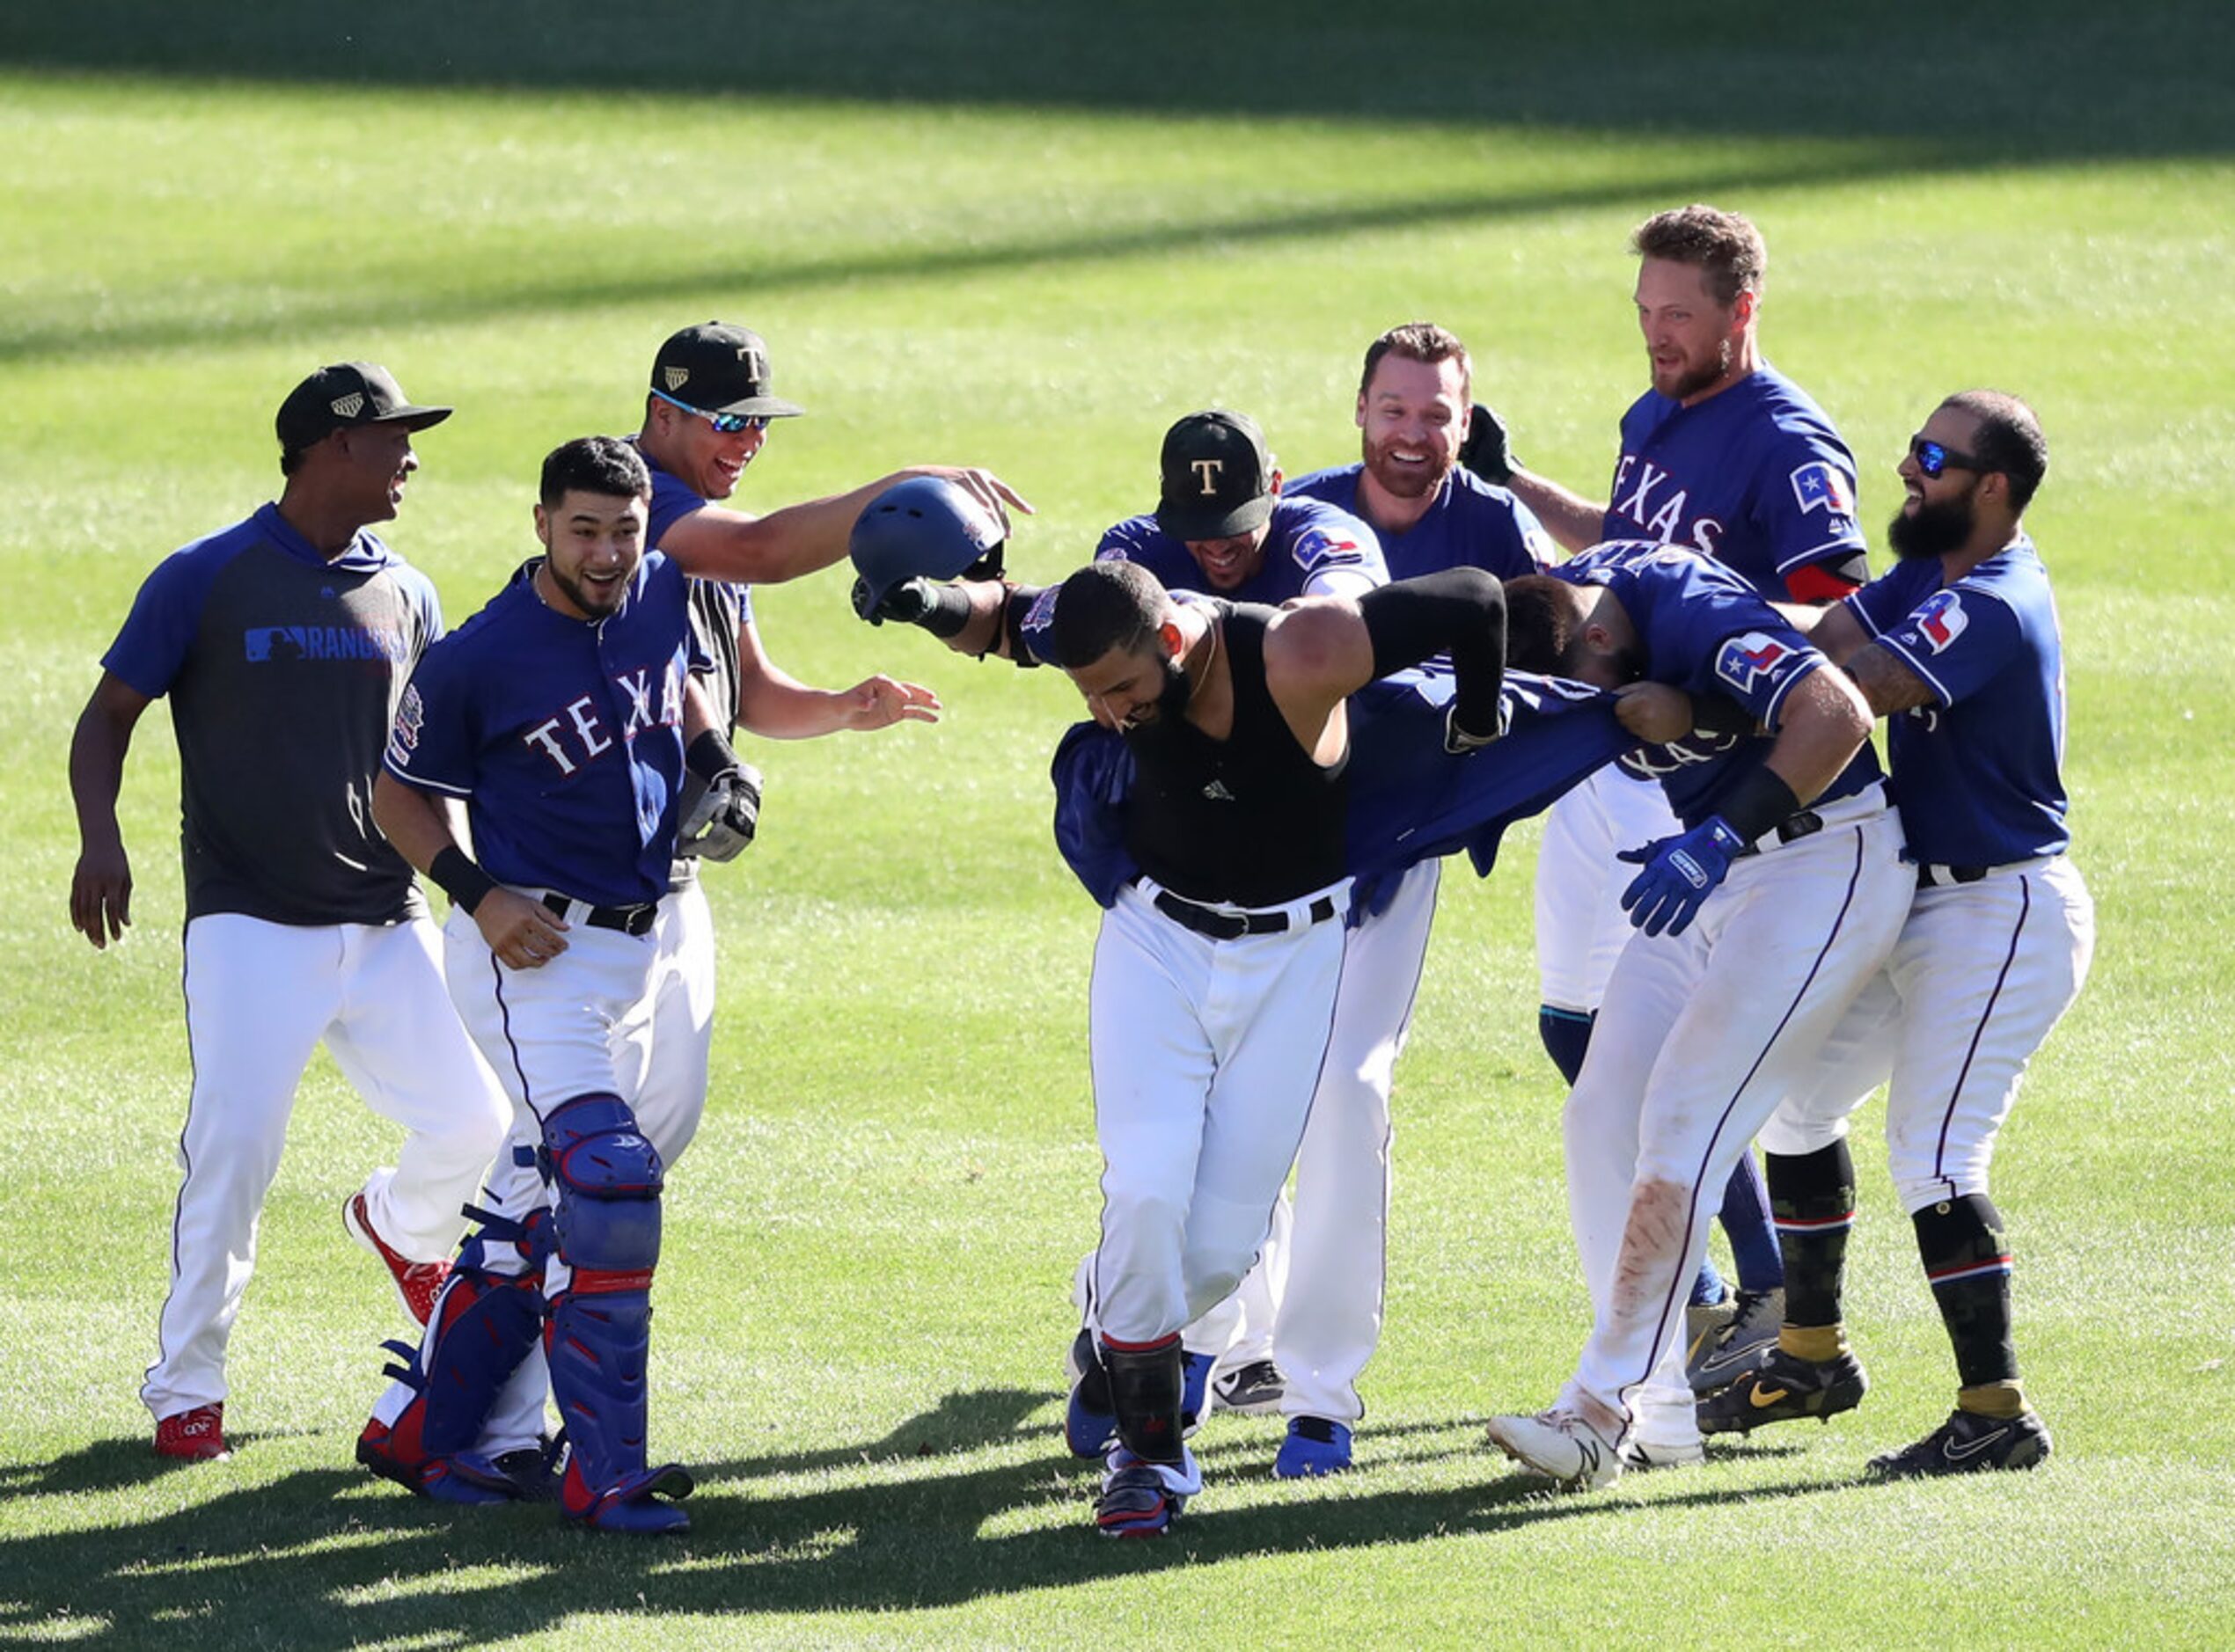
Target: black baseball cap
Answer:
pixel 718 368
pixel 1218 476
pixel 347 394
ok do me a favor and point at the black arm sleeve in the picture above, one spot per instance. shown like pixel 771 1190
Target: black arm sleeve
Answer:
pixel 1460 611
pixel 1013 610
pixel 1712 714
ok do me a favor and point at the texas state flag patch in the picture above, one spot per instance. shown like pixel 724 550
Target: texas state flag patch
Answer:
pixel 1822 487
pixel 1747 660
pixel 1940 621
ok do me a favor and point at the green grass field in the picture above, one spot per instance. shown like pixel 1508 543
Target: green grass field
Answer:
pixel 1016 237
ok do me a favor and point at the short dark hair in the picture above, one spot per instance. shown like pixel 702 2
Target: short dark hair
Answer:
pixel 595 465
pixel 1541 631
pixel 1725 248
pixel 1420 341
pixel 2009 440
pixel 1106 605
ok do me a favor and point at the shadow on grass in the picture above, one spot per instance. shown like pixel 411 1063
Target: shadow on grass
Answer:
pixel 2049 78
pixel 328 1558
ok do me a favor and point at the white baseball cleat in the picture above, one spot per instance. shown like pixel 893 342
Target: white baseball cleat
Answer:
pixel 1561 1446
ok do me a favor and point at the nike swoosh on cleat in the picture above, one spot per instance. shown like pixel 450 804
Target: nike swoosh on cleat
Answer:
pixel 1763 1398
pixel 1957 1454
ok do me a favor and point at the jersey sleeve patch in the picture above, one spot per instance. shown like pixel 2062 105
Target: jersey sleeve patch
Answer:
pixel 1753 660
pixel 1940 621
pixel 1821 486
pixel 1319 548
pixel 1039 620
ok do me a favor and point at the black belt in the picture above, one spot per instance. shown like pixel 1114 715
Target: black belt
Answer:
pixel 1792 828
pixel 1928 875
pixel 1208 920
pixel 630 920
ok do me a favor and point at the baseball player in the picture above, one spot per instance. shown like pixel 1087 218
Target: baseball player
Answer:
pixel 1216 976
pixel 1414 395
pixel 283 642
pixel 1728 456
pixel 1958 648
pixel 1757 925
pixel 564 715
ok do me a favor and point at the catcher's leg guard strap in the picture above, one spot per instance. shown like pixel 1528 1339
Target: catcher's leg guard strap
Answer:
pixel 1145 1384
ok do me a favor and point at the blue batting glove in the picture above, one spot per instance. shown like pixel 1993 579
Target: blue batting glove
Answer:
pixel 1680 874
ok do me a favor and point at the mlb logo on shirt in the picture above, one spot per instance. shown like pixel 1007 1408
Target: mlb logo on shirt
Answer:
pixel 1941 620
pixel 1744 660
pixel 1820 485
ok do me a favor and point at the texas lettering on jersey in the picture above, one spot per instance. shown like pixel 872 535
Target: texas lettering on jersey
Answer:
pixel 1642 495
pixel 578 727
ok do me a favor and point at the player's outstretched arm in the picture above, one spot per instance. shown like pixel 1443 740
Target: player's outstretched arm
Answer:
pixel 522 932
pixel 775 705
pixel 803 538
pixel 101 888
pixel 1321 651
pixel 1578 523
pixel 1888 686
pixel 972 617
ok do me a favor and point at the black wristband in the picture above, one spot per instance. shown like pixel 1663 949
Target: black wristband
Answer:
pixel 457 877
pixel 710 755
pixel 947 612
pixel 1017 607
pixel 1758 802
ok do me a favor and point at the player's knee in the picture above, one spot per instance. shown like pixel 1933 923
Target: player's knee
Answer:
pixel 1150 1218
pixel 1791 1135
pixel 608 1178
pixel 1920 1187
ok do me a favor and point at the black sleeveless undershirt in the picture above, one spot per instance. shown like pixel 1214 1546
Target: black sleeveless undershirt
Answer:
pixel 1250 819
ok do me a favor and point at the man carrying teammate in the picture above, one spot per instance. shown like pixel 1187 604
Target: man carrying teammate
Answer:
pixel 1959 647
pixel 1757 926
pixel 1215 982
pixel 284 643
pixel 1726 455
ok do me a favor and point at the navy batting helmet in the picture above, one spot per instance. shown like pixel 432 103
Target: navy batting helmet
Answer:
pixel 927 528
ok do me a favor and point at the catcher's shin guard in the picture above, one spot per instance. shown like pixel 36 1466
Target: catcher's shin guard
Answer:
pixel 483 1326
pixel 1145 1386
pixel 608 1178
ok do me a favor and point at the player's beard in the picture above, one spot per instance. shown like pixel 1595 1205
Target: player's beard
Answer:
pixel 1700 377
pixel 1395 479
pixel 589 601
pixel 1931 529
pixel 1172 701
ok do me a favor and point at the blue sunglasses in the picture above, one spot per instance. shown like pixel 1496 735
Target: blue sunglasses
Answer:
pixel 731 424
pixel 1933 458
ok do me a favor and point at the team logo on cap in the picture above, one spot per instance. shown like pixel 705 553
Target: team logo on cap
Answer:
pixel 351 405
pixel 756 363
pixel 1207 472
pixel 677 378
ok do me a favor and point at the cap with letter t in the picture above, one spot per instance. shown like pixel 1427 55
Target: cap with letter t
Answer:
pixel 718 368
pixel 1217 477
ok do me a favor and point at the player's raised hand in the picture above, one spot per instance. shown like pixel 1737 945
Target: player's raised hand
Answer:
pixel 100 895
pixel 523 934
pixel 881 701
pixel 1680 874
pixel 1488 449
pixel 983 486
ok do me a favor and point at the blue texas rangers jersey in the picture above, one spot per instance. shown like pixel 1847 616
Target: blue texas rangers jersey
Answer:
pixel 1472 524
pixel 1976 772
pixel 1307 542
pixel 1704 630
pixel 1755 477
pixel 283 668
pixel 564 737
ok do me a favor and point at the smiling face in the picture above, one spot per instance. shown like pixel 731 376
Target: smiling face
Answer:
pixel 1693 344
pixel 592 544
pixel 686 446
pixel 379 462
pixel 1132 688
pixel 1412 416
pixel 1938 514
pixel 1229 563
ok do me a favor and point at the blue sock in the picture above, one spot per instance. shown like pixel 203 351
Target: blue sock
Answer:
pixel 1746 1223
pixel 1567 1034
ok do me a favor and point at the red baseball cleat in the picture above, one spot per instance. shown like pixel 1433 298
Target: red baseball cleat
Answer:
pixel 195 1435
pixel 417 1283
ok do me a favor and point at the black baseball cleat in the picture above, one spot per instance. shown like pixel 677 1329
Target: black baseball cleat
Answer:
pixel 1967 1443
pixel 1784 1388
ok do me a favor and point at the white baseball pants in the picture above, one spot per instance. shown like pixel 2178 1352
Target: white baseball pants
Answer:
pixel 1580 927
pixel 1205 1056
pixel 259 999
pixel 1700 1037
pixel 1980 975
